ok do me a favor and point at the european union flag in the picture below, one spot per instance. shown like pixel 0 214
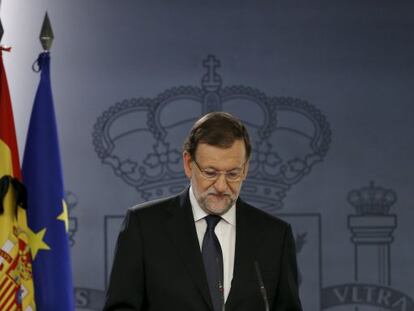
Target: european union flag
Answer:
pixel 47 211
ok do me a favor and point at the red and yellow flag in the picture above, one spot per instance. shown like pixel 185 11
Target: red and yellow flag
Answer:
pixel 16 283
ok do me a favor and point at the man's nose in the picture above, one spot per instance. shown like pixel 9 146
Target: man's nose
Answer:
pixel 221 183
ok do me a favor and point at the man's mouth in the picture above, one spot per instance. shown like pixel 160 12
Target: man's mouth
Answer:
pixel 219 196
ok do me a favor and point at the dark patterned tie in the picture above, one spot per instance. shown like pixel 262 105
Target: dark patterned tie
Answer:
pixel 213 262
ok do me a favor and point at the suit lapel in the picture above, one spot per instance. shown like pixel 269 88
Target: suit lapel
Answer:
pixel 180 225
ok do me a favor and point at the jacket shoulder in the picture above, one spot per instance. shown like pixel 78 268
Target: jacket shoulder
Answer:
pixel 262 217
pixel 153 206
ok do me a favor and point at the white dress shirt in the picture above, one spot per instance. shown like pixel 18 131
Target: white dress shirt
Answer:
pixel 226 234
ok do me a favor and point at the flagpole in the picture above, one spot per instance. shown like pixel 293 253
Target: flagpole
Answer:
pixel 1 28
pixel 3 47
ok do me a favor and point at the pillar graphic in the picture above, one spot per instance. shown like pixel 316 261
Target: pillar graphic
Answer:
pixel 372 227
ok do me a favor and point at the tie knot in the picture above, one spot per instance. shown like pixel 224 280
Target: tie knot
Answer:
pixel 212 221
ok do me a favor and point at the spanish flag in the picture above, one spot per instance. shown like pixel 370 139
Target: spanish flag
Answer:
pixel 16 283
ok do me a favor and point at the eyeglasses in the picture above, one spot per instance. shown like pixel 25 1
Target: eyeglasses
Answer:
pixel 212 174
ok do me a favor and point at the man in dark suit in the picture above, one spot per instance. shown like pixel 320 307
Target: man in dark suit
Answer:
pixel 205 249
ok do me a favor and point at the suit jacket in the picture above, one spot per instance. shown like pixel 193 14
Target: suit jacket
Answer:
pixel 158 264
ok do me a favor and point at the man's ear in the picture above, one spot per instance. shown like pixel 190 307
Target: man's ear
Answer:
pixel 187 164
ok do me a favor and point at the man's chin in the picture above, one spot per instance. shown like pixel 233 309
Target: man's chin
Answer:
pixel 218 208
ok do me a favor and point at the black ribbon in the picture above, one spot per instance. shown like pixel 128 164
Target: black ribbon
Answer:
pixel 21 194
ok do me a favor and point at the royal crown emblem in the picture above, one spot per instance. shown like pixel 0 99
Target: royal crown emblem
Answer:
pixel 141 138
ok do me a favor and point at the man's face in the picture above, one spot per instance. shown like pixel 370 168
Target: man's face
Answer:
pixel 216 194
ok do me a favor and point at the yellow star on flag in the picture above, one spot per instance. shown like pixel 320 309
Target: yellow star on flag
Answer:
pixel 36 242
pixel 64 216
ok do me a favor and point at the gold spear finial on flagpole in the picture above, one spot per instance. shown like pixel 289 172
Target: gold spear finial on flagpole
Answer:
pixel 46 34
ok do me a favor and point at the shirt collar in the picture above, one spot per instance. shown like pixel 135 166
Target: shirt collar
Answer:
pixel 199 213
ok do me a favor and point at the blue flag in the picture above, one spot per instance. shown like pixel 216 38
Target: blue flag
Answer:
pixel 47 211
